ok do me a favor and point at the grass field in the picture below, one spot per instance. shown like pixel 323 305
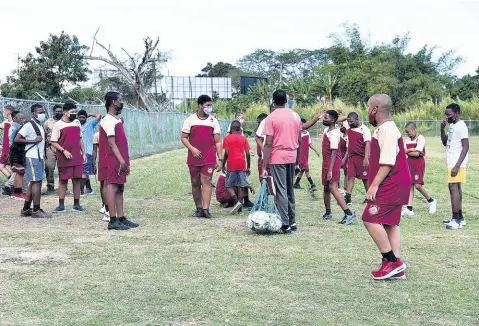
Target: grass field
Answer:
pixel 177 270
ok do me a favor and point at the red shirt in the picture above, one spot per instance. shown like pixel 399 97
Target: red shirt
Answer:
pixel 222 194
pixel 331 141
pixel 357 139
pixel 111 126
pixel 236 145
pixel 6 139
pixel 202 133
pixel 387 148
pixel 68 135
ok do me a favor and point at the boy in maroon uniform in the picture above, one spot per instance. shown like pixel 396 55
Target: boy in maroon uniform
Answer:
pixel 306 144
pixel 117 160
pixel 236 148
pixel 332 167
pixel 389 186
pixel 416 151
pixel 67 140
pixel 359 147
pixel 201 135
pixel 4 161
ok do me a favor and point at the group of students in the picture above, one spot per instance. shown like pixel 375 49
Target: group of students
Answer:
pixel 68 140
pixel 390 168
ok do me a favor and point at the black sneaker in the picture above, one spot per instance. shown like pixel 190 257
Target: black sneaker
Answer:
pixel 207 214
pixel 129 223
pixel 285 229
pixel 294 227
pixel 26 212
pixel 87 192
pixel 117 225
pixel 248 204
pixel 7 191
pixel 50 191
pixel 297 186
pixel 348 201
pixel 198 213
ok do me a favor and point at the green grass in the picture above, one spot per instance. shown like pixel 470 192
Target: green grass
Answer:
pixel 177 270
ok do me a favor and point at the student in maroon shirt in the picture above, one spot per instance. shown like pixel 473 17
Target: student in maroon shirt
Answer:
pixel 117 161
pixel 389 186
pixel 70 152
pixel 201 135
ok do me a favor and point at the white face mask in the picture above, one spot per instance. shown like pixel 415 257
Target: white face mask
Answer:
pixel 208 110
pixel 41 117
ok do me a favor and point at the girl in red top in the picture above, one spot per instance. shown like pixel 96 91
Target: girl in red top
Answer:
pixel 4 161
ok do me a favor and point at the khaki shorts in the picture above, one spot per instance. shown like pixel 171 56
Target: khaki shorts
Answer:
pixel 459 178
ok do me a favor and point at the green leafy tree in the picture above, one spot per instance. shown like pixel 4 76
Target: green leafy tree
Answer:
pixel 56 64
pixel 220 69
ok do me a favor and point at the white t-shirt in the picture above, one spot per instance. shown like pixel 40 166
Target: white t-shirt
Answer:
pixel 457 132
pixel 260 132
pixel 28 132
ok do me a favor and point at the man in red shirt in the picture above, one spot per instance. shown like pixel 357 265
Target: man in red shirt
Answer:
pixel 70 152
pixel 359 147
pixel 331 171
pixel 117 162
pixel 236 149
pixel 281 153
pixel 389 186
pixel 201 136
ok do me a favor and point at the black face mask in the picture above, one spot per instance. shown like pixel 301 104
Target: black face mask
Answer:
pixel 326 123
pixel 352 125
pixel 119 109
pixel 58 116
pixel 451 120
pixel 72 116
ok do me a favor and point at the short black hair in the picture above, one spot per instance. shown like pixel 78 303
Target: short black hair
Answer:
pixel 57 106
pixel 411 124
pixel 235 125
pixel 261 117
pixel 303 120
pixel 9 108
pixel 353 115
pixel 334 114
pixel 14 113
pixel 68 106
pixel 110 97
pixel 280 97
pixel 82 112
pixel 202 99
pixel 35 107
pixel 454 107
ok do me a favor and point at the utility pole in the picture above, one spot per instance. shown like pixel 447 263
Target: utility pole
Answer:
pixel 18 63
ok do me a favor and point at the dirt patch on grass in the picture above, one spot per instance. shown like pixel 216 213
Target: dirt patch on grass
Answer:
pixel 18 259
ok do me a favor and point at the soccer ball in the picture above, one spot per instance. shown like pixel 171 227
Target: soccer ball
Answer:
pixel 258 221
pixel 275 223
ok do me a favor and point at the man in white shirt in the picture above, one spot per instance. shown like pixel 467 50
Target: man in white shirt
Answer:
pixel 32 135
pixel 457 147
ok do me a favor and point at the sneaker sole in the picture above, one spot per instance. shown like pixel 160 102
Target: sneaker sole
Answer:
pixel 397 278
pixel 236 208
pixel 59 212
pixel 77 211
pixel 392 273
pixel 347 222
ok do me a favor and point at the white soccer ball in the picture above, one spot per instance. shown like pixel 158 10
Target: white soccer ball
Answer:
pixel 258 221
pixel 275 223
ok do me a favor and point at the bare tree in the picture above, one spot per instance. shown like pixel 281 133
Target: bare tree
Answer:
pixel 139 70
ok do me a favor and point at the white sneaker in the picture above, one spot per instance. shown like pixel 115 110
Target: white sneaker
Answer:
pixel 342 192
pixel 407 212
pixel 432 207
pixel 102 210
pixel 455 224
pixel 106 217
pixel 447 222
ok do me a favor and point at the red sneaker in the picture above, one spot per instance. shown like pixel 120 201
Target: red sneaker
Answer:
pixel 398 276
pixel 388 269
pixel 21 196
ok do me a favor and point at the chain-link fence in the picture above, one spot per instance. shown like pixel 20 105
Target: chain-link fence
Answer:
pixel 148 132
pixel 428 128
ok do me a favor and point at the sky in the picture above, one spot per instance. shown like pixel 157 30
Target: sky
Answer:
pixel 195 32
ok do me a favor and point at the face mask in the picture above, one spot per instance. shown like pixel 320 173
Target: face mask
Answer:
pixel 58 116
pixel 326 123
pixel 73 116
pixel 412 136
pixel 451 120
pixel 208 110
pixel 372 119
pixel 353 125
pixel 119 109
pixel 41 117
